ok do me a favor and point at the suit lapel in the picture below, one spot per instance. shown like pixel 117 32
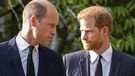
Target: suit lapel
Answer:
pixel 42 60
pixel 46 64
pixel 15 58
pixel 115 64
pixel 84 64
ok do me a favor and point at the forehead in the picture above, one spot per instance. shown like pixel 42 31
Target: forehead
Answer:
pixel 87 23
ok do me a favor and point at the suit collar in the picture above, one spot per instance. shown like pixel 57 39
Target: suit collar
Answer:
pixel 84 55
pixel 115 64
pixel 45 62
pixel 84 63
pixel 15 57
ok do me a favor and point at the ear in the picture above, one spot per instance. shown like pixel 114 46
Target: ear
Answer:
pixel 105 31
pixel 33 21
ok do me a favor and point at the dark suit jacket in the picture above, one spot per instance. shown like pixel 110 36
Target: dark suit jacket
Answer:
pixel 50 63
pixel 78 64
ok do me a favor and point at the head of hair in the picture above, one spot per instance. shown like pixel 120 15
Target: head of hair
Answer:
pixel 34 8
pixel 100 14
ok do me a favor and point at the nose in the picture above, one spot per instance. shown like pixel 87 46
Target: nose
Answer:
pixel 54 31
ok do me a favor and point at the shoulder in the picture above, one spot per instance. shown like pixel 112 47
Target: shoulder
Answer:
pixel 124 57
pixel 5 48
pixel 127 63
pixel 74 56
pixel 127 57
pixel 4 45
pixel 7 43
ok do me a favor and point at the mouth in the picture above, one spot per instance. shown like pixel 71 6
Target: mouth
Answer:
pixel 50 38
pixel 85 42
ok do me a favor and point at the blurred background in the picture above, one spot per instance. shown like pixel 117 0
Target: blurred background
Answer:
pixel 68 34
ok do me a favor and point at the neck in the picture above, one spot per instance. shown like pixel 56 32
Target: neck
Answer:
pixel 27 36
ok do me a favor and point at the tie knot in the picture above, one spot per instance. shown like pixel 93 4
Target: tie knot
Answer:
pixel 100 56
pixel 31 48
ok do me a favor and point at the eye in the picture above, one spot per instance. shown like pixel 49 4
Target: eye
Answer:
pixel 52 25
pixel 89 31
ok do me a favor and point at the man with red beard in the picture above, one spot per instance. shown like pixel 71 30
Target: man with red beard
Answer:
pixel 98 58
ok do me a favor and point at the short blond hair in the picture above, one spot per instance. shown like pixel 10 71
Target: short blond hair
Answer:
pixel 99 13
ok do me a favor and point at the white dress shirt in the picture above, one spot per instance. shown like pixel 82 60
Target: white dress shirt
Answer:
pixel 106 61
pixel 23 51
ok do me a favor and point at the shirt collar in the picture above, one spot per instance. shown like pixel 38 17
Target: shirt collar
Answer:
pixel 22 44
pixel 93 56
pixel 106 55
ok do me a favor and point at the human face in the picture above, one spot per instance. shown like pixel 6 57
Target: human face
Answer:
pixel 46 29
pixel 91 36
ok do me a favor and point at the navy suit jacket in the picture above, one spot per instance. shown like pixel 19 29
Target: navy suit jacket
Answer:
pixel 50 62
pixel 78 64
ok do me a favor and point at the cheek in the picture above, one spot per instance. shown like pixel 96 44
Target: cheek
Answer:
pixel 91 36
pixel 40 32
pixel 43 29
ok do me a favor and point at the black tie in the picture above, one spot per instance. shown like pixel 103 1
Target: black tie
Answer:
pixel 30 65
pixel 99 67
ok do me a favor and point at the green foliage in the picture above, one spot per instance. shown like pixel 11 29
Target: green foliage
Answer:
pixel 14 2
pixel 123 34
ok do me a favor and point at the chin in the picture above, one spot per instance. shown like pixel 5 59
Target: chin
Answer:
pixel 87 48
pixel 45 44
